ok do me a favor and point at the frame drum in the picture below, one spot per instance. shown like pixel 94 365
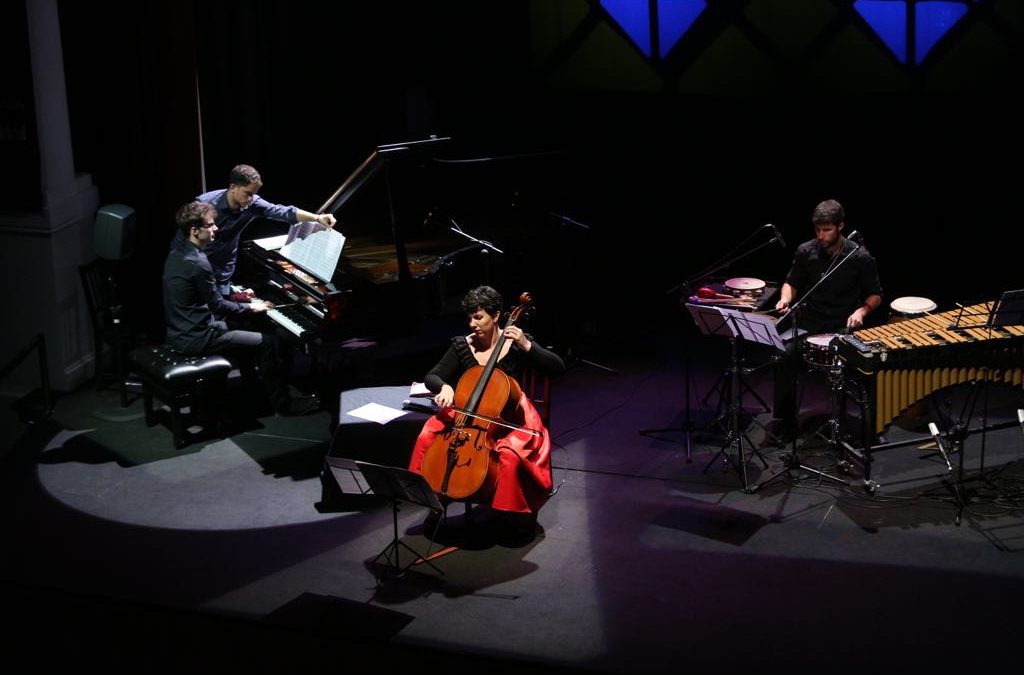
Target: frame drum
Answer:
pixel 745 287
pixel 819 352
pixel 909 307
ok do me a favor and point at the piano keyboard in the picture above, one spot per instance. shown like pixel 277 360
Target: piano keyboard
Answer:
pixel 282 319
pixel 290 318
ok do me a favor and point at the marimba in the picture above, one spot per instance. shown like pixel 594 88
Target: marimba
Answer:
pixel 908 360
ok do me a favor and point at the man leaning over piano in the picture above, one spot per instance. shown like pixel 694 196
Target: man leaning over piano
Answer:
pixel 237 206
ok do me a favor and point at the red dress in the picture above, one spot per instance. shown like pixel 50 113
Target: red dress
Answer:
pixel 524 460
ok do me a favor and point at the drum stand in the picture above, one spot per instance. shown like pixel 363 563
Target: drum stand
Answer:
pixel 734 436
pixel 837 407
pixel 791 460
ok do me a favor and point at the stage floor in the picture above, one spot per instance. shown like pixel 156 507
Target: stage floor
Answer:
pixel 122 552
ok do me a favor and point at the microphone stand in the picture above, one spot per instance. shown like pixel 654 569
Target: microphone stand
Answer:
pixel 687 427
pixel 793 460
pixel 485 247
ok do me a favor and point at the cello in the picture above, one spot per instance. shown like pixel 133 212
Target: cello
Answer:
pixel 461 462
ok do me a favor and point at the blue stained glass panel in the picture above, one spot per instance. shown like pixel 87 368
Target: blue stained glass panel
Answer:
pixel 933 20
pixel 889 21
pixel 675 18
pixel 635 19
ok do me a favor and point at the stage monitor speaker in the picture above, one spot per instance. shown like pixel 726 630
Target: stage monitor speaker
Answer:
pixel 114 237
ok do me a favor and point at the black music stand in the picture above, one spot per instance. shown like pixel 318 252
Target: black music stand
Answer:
pixel 399 485
pixel 1010 310
pixel 685 286
pixel 738 327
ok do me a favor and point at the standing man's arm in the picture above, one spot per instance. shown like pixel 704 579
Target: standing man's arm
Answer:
pixel 322 218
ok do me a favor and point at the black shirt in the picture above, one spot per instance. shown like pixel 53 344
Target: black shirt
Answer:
pixel 828 307
pixel 191 298
pixel 459 358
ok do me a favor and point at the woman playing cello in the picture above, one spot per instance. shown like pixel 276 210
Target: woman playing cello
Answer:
pixel 523 455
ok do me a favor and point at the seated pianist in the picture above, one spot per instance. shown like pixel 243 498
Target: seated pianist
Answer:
pixel 192 303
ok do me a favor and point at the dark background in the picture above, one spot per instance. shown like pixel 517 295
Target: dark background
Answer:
pixel 754 118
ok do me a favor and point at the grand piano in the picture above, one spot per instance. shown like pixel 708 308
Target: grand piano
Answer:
pixel 381 268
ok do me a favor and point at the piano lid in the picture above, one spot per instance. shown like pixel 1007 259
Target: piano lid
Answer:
pixel 381 155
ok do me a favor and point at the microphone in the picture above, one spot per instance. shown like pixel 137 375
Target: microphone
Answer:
pixel 938 443
pixel 778 235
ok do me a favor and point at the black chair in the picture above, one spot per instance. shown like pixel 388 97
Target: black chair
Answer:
pixel 108 325
pixel 537 387
pixel 182 382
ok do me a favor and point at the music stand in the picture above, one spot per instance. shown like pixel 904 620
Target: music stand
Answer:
pixel 737 327
pixel 686 286
pixel 399 485
pixel 1010 310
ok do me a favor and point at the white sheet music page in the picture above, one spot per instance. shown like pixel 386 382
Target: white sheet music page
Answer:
pixel 375 412
pixel 314 247
pixel 271 243
pixel 419 390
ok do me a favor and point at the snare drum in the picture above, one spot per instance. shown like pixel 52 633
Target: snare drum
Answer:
pixel 909 307
pixel 820 351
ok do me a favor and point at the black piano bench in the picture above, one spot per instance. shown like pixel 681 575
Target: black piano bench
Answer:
pixel 180 381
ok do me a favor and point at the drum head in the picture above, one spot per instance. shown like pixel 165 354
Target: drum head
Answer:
pixel 744 284
pixel 821 341
pixel 819 353
pixel 912 304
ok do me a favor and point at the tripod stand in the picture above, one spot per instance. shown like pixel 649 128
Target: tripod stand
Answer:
pixel 734 436
pixel 837 411
pixel 723 387
pixel 956 436
pixel 738 327
pixel 399 485
pixel 687 426
pixel 792 461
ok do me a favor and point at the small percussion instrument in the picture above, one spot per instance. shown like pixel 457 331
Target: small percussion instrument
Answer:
pixel 821 351
pixel 909 307
pixel 707 295
pixel 745 287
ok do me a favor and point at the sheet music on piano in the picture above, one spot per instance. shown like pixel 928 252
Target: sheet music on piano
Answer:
pixel 315 248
